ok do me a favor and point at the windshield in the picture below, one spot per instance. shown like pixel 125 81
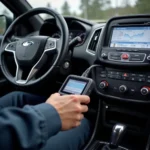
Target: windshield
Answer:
pixel 95 10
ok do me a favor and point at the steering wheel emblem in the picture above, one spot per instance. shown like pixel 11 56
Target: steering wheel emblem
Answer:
pixel 28 43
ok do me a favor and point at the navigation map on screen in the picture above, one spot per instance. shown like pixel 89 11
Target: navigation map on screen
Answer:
pixel 133 37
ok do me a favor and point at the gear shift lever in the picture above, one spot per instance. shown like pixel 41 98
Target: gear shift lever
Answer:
pixel 117 134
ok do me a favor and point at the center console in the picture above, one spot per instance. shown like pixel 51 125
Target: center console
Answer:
pixel 124 52
pixel 123 81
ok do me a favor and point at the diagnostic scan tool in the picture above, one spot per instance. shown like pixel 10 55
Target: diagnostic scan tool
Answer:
pixel 77 85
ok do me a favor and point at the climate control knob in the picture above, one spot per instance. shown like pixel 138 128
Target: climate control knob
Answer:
pixel 145 91
pixel 103 85
pixel 123 89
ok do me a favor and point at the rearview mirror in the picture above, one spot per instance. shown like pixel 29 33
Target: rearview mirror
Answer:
pixel 5 21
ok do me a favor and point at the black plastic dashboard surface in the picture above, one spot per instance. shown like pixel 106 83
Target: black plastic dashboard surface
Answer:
pixel 104 43
pixel 125 72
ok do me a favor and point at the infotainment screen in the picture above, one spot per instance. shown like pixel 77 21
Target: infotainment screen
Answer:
pixel 132 37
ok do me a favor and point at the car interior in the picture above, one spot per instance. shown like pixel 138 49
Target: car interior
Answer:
pixel 38 55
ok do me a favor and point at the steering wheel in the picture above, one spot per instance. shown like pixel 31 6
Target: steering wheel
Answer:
pixel 32 52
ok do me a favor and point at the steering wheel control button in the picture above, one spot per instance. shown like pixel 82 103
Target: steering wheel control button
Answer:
pixel 123 89
pixel 145 91
pixel 125 56
pixel 11 46
pixel 104 56
pixel 103 85
pixel 51 44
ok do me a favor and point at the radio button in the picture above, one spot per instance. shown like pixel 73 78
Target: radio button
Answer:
pixel 103 75
pixel 111 72
pixel 125 75
pixel 111 76
pixel 142 75
pixel 133 75
pixel 141 79
pixel 115 56
pixel 137 57
pixel 133 79
pixel 118 77
pixel 125 78
pixel 118 73
pixel 132 91
pixel 125 56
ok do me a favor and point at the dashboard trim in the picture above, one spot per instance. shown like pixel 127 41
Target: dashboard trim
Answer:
pixel 122 99
pixel 126 61
pixel 89 51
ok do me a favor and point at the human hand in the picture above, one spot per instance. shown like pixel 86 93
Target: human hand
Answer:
pixel 70 108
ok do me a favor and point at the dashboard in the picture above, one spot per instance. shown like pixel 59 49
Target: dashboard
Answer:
pixel 121 47
pixel 76 28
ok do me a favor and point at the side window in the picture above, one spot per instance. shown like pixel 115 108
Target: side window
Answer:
pixel 4 13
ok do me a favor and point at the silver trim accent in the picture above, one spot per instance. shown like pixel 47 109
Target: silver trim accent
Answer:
pixel 6 48
pixel 146 90
pixel 54 40
pixel 87 50
pixel 33 70
pixel 125 88
pixel 119 127
pixel 106 143
pixel 148 58
pixel 122 60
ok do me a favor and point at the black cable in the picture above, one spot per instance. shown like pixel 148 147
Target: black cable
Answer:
pixel 88 70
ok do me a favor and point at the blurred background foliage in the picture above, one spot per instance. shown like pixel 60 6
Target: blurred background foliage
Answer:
pixel 103 10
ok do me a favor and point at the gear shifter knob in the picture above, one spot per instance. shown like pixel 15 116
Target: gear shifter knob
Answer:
pixel 117 134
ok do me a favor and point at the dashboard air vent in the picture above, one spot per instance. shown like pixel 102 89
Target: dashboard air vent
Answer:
pixel 94 40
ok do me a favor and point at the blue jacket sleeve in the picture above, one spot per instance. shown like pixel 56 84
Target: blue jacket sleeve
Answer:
pixel 28 128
